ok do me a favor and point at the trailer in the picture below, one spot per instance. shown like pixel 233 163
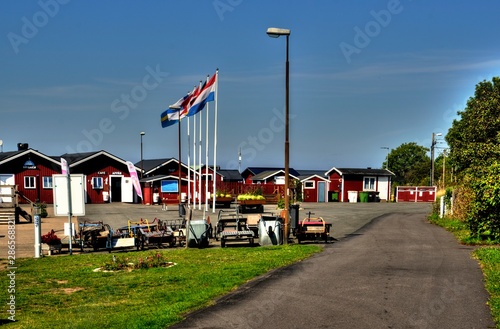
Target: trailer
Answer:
pixel 231 227
pixel 92 234
pixel 312 229
pixel 145 234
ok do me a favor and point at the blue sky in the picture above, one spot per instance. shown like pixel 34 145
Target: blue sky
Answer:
pixel 81 76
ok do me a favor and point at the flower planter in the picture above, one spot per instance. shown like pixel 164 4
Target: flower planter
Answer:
pixel 49 249
pixel 251 206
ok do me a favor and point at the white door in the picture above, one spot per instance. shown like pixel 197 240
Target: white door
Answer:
pixel 383 187
pixel 127 190
pixel 6 180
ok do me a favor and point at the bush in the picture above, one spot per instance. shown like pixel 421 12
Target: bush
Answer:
pixel 484 213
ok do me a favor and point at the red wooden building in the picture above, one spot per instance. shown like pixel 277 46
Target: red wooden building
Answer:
pixel 31 171
pixel 106 176
pixel 355 180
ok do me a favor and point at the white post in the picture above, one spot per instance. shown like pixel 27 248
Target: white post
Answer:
pixel 38 231
pixel 207 199
pixel 199 157
pixel 441 207
pixel 215 135
pixel 189 164
pixel 194 162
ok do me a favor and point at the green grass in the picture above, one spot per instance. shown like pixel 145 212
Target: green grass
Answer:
pixel 64 292
pixel 490 264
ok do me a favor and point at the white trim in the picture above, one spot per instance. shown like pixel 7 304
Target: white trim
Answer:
pixel 310 181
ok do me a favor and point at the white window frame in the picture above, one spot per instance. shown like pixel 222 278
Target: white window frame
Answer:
pixel 47 182
pixel 309 187
pixel 97 183
pixel 29 182
pixel 204 176
pixel 369 186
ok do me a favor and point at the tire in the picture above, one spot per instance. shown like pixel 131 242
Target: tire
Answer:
pixel 222 243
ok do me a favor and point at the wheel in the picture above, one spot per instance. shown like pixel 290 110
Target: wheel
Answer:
pixel 222 242
pixel 172 242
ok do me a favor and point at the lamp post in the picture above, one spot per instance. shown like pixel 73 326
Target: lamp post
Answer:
pixel 274 32
pixel 387 158
pixel 433 143
pixel 142 159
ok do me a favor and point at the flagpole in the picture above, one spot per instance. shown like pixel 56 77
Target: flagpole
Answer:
pixel 179 183
pixel 194 162
pixel 199 156
pixel 189 163
pixel 206 162
pixel 215 132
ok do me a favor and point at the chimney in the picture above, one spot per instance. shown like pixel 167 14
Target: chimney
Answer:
pixel 22 146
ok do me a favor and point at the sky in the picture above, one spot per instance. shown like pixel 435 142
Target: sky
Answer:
pixel 82 76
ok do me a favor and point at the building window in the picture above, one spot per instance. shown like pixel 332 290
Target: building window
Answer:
pixel 47 182
pixel 309 184
pixel 29 182
pixel 369 184
pixel 205 177
pixel 279 180
pixel 97 183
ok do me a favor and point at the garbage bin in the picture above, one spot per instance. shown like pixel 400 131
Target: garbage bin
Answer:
pixel 294 215
pixel 363 196
pixel 352 196
pixel 333 196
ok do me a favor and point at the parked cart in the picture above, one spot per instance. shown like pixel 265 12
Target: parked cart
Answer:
pixel 312 229
pixel 146 234
pixel 232 227
pixel 92 234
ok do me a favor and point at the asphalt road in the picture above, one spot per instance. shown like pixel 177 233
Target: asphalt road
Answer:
pixel 399 271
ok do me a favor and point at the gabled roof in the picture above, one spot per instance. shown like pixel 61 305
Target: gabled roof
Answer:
pixel 303 178
pixel 257 170
pixel 360 171
pixel 154 164
pixel 9 156
pixel 270 173
pixel 75 159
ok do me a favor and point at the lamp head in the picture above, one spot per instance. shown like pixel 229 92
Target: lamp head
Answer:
pixel 143 133
pixel 275 32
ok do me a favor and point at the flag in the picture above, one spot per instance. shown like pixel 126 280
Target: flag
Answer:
pixel 169 117
pixel 179 109
pixel 64 167
pixel 207 94
pixel 135 179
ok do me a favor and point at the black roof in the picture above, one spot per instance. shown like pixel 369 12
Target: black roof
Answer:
pixel 257 170
pixel 231 175
pixel 363 171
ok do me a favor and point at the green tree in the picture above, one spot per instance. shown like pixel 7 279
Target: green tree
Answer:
pixel 410 163
pixel 474 139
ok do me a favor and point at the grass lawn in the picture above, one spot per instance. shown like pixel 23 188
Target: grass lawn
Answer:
pixel 65 292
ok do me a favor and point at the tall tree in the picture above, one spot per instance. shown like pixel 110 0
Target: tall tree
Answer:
pixel 474 139
pixel 410 163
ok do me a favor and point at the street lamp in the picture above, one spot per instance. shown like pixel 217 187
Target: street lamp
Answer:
pixel 142 160
pixel 274 32
pixel 387 158
pixel 433 143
